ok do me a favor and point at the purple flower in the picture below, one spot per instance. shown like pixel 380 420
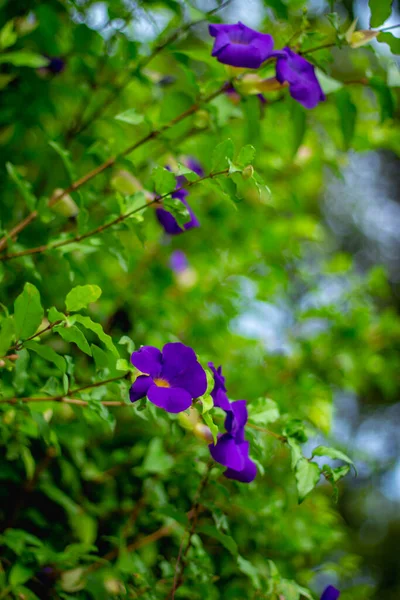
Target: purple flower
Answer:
pixel 330 593
pixel 304 86
pixel 193 164
pixel 240 46
pixel 178 261
pixel 218 393
pixel 231 449
pixel 168 221
pixel 172 378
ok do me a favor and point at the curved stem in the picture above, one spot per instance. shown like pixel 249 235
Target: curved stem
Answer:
pixel 110 162
pixel 105 226
pixel 65 400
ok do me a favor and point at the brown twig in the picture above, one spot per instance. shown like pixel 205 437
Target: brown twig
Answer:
pixel 64 399
pixel 107 164
pixel 101 228
pixel 277 436
pixel 182 554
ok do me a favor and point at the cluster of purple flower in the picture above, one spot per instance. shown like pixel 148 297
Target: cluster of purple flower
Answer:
pixel 240 46
pixel 172 379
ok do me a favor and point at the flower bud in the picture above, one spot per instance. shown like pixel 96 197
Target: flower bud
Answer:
pixel 248 172
pixel 66 207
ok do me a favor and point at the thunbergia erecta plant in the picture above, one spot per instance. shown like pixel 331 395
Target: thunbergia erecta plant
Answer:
pixel 136 471
pixel 171 379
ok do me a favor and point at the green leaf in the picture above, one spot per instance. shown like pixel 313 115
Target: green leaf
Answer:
pixel 23 58
pixel 164 181
pixel 19 574
pixel 393 42
pixel 23 186
pixel 156 459
pixel 380 11
pixel 299 120
pixel 263 411
pixel 347 115
pixel 222 154
pixel 55 315
pixel 333 453
pixel 7 332
pixel 130 116
pixel 66 159
pixel 126 341
pixel 61 498
pixel 328 84
pixel 82 295
pixel 295 452
pixel 226 540
pixel 385 98
pixel 307 477
pixel 246 155
pixel 246 567
pixel 48 354
pixel 213 427
pixel 28 312
pixel 97 329
pixel 8 36
pixel 207 403
pixel 74 335
pixel 333 476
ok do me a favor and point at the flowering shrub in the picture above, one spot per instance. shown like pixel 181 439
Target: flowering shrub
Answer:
pixel 133 468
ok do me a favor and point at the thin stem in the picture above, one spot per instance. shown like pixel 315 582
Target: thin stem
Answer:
pixel 277 436
pixel 391 27
pixel 66 400
pixel 106 165
pixel 316 48
pixel 20 344
pixel 178 577
pixel 105 226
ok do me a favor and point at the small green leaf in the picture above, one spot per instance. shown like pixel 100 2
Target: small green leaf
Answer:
pixel 8 36
pixel 7 332
pixel 48 354
pixel 332 453
pixel 74 335
pixel 130 116
pixel 19 574
pixel 213 427
pixel 126 341
pixel 23 186
pixel 393 42
pixel 347 115
pixel 156 459
pixel 222 154
pixel 263 411
pixel 66 159
pixel 207 403
pixel 97 329
pixel 299 120
pixel 82 295
pixel 226 540
pixel 28 312
pixel 380 11
pixel 164 181
pixel 385 98
pixel 307 477
pixel 246 155
pixel 23 58
pixel 55 315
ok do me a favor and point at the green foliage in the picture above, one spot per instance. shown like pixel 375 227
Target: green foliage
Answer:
pixel 113 499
